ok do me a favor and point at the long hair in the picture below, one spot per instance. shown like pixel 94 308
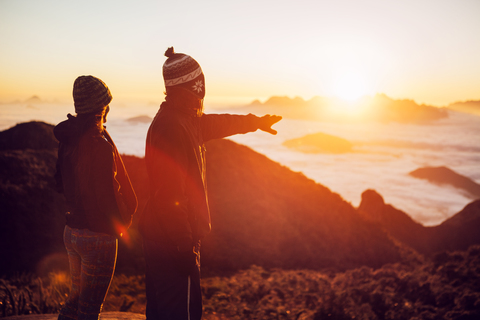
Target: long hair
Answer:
pixel 88 125
pixel 85 124
pixel 89 121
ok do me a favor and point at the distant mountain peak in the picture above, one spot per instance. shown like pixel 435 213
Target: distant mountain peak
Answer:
pixel 445 176
pixel 470 106
pixel 372 197
pixel 379 108
pixel 284 101
pixel 34 98
pixel 140 119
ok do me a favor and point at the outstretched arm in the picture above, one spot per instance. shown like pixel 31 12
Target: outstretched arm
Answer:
pixel 215 126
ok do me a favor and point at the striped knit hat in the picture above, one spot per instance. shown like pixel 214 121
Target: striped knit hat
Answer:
pixel 90 95
pixel 183 71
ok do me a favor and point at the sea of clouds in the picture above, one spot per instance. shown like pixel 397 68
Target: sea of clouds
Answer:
pixel 382 157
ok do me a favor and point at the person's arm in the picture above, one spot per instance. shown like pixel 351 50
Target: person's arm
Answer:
pixel 216 126
pixel 126 197
pixel 98 185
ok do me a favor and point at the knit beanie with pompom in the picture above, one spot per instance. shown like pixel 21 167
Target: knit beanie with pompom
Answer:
pixel 183 71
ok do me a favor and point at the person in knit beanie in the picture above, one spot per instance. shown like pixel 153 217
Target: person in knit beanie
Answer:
pixel 100 200
pixel 177 216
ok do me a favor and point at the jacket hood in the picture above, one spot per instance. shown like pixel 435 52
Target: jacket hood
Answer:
pixel 67 131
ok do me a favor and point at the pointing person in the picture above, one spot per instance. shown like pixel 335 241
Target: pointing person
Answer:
pixel 177 216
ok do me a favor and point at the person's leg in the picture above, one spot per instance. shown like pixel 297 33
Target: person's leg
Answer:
pixel 196 291
pixel 151 310
pixel 99 254
pixel 171 294
pixel 70 309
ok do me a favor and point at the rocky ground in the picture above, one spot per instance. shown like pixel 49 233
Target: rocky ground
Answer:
pixel 103 316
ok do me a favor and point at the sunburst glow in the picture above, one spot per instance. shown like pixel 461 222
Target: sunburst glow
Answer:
pixel 350 86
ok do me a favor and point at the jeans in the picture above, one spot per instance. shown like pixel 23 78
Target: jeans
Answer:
pixel 171 294
pixel 92 258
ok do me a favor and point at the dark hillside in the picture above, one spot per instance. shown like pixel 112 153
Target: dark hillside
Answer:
pixel 31 135
pixel 262 213
pixel 31 211
pixel 461 230
pixel 456 233
pixel 265 214
pixel 396 222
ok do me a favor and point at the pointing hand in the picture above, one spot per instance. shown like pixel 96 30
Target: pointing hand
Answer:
pixel 267 121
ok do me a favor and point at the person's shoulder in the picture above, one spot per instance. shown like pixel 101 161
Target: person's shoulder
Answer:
pixel 167 125
pixel 66 130
pixel 97 145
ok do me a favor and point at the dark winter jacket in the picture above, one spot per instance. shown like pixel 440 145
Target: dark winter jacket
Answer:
pixel 91 175
pixel 177 210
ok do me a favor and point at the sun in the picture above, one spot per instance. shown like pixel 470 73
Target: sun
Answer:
pixel 349 86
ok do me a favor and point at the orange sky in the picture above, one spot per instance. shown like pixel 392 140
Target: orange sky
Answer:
pixel 421 50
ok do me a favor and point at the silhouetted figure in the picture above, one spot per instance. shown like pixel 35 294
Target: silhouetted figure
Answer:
pixel 100 198
pixel 177 216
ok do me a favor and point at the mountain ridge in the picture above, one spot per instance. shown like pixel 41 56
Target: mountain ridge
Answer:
pixel 445 176
pixel 262 213
pixel 469 106
pixel 380 108
pixel 456 233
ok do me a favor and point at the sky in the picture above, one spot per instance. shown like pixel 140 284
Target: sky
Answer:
pixel 424 50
